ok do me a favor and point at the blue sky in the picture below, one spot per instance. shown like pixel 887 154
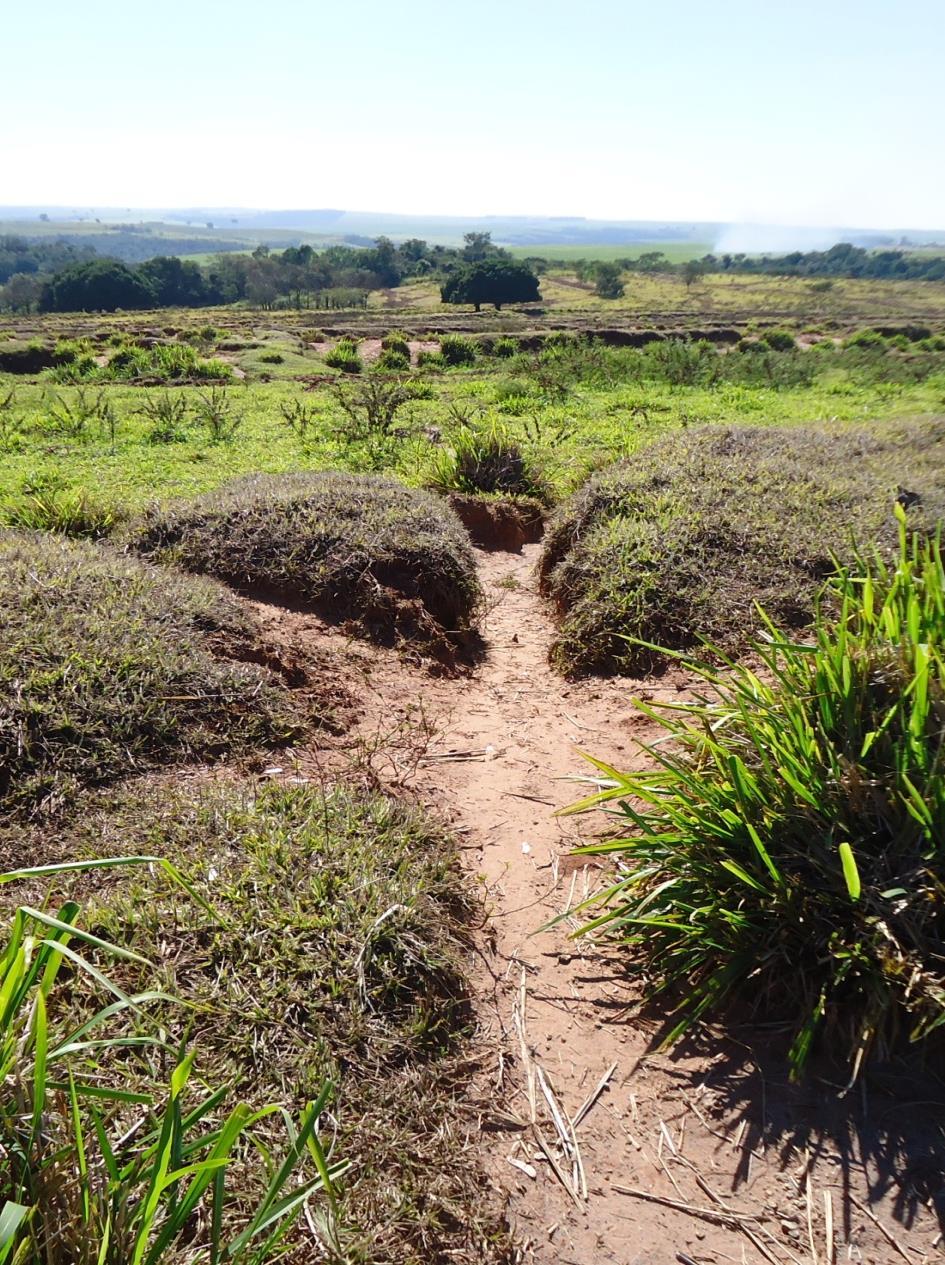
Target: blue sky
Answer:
pixel 805 113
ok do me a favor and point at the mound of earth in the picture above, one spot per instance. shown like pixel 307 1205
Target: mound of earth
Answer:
pixel 108 665
pixel 394 560
pixel 688 537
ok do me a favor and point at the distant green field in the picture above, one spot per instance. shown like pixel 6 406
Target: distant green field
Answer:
pixel 675 252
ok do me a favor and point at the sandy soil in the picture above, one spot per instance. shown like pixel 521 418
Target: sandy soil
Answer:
pixel 608 1151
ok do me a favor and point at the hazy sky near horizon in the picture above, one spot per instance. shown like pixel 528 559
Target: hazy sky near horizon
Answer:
pixel 811 112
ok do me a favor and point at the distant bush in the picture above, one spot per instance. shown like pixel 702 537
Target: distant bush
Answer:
pixel 430 360
pixel 786 850
pixel 272 358
pixel 395 341
pixel 457 350
pixel 101 285
pixel 779 339
pixel 344 356
pixel 393 361
pixel 353 546
pixel 505 348
pixel 685 538
pixel 107 664
pixel 866 338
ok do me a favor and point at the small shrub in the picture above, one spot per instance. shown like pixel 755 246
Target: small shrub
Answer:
pixel 272 358
pixel 866 338
pixel 393 361
pixel 168 416
pixel 300 418
pixel 67 511
pixel 779 340
pixel 430 360
pixel 395 341
pixel 344 356
pixel 457 350
pixel 214 410
pixel 790 844
pixel 488 460
pixel 505 348
pixel 107 664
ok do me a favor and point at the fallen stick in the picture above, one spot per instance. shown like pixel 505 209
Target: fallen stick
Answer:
pixel 593 1096
pixel 882 1229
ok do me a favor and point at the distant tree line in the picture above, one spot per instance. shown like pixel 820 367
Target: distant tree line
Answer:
pixel 19 255
pixel 842 260
pixel 298 276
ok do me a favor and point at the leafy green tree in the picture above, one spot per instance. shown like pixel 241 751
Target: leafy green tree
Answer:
pixel 495 281
pixel 477 246
pixel 608 284
pixel 175 282
pixel 100 286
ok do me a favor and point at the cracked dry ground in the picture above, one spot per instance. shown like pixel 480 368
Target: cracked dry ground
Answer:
pixel 606 1150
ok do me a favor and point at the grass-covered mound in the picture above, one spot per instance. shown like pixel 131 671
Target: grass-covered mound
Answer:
pixel 334 953
pixel 688 536
pixel 786 849
pixel 395 559
pixel 108 665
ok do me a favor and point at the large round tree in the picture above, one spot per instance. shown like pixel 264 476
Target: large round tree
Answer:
pixel 100 286
pixel 495 281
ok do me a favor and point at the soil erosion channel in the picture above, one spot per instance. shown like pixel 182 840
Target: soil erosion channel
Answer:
pixel 607 1151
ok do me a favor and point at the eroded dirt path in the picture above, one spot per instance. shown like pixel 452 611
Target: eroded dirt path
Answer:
pixel 728 1162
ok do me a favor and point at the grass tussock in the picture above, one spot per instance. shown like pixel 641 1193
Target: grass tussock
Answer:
pixel 358 547
pixel 787 845
pixel 97 1173
pixel 685 539
pixel 108 665
pixel 333 953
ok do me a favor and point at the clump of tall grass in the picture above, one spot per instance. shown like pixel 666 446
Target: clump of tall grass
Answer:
pixel 100 1166
pixel 491 460
pixel 787 847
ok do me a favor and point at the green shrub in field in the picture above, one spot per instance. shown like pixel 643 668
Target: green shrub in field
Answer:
pixel 681 362
pixel 68 511
pixel 107 664
pixel 430 360
pixel 357 546
pixel 395 341
pixel 868 338
pixel 505 348
pixel 779 339
pixel 457 350
pixel 686 537
pixel 393 361
pixel 344 356
pixel 74 1185
pixel 489 460
pixel 789 849
pixel 272 358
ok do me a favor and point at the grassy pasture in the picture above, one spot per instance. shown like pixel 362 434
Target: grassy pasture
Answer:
pixel 675 252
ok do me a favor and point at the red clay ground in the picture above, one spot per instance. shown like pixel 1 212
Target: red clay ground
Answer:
pixel 607 1151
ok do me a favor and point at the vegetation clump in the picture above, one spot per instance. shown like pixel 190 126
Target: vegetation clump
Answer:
pixel 108 665
pixel 332 955
pixel 685 539
pixel 788 844
pixel 353 546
